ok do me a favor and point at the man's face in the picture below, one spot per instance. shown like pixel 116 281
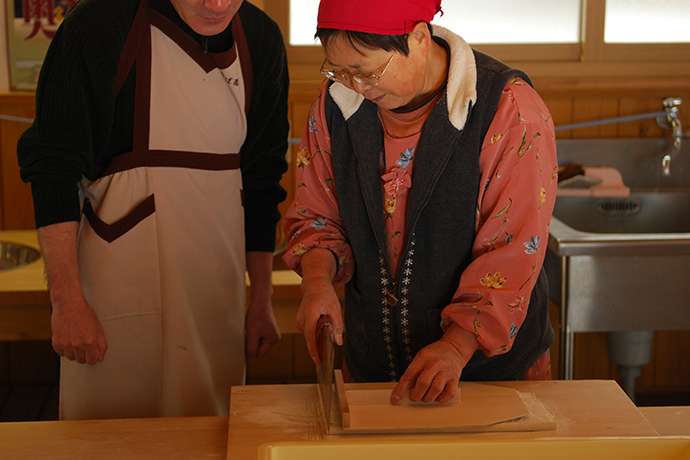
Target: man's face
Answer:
pixel 207 17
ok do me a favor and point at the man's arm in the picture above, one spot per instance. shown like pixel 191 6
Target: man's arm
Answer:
pixel 261 328
pixel 77 333
pixel 263 165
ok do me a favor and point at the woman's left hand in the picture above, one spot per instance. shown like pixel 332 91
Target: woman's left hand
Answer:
pixel 435 371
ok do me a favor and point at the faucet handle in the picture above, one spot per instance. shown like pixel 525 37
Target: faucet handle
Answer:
pixel 671 103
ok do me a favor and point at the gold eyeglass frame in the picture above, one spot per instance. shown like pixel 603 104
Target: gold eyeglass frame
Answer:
pixel 348 78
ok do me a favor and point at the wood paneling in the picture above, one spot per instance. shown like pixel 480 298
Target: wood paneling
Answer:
pixel 33 363
pixel 16 208
pixel 4 365
pixel 594 108
pixel 29 322
pixel 672 359
pixel 275 366
pixel 25 403
pixel 562 112
pixel 17 203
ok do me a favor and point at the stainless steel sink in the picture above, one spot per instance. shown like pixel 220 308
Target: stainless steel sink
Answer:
pixel 643 212
pixel 622 264
pixel 638 160
pixel 13 255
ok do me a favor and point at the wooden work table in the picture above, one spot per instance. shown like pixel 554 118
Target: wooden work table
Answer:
pixel 265 414
pixel 669 421
pixel 582 408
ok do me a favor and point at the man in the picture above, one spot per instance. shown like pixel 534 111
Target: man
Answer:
pixel 168 118
pixel 427 178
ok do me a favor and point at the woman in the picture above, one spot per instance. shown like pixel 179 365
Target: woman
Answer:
pixel 426 182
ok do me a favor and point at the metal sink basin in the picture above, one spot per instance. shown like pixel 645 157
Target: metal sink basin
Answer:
pixel 638 160
pixel 622 264
pixel 643 212
pixel 13 255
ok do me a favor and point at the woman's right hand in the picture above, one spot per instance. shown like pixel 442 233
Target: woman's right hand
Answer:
pixel 319 299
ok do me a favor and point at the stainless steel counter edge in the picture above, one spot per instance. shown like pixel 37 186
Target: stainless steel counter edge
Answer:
pixel 566 241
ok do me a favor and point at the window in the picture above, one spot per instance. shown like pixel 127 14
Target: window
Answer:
pixel 491 21
pixel 526 21
pixel 552 36
pixel 647 21
pixel 303 22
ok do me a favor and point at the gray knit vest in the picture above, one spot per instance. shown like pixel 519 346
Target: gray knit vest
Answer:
pixel 389 317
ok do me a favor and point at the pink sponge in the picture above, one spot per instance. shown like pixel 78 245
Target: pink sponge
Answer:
pixel 599 181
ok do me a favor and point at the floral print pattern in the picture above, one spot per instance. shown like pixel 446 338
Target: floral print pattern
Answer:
pixel 532 246
pixel 303 158
pixel 493 280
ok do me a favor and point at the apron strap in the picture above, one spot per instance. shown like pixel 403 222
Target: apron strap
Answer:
pixel 245 60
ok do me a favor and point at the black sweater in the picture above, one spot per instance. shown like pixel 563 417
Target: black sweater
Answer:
pixel 81 123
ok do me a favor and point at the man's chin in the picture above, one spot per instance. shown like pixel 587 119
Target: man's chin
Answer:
pixel 209 27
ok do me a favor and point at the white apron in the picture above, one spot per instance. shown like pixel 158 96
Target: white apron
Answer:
pixel 161 244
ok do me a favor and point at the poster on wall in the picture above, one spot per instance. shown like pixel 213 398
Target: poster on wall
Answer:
pixel 31 24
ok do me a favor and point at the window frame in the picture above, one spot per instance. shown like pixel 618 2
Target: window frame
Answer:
pixel 595 49
pixel 592 54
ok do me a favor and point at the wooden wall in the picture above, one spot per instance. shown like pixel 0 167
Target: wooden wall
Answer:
pixel 15 197
pixel 569 98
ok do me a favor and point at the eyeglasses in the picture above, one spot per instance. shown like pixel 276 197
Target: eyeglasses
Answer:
pixel 348 78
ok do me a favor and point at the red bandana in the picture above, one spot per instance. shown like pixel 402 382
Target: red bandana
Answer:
pixel 383 17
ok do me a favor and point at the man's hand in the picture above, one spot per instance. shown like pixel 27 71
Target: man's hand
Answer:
pixel 319 299
pixel 435 372
pixel 77 332
pixel 261 330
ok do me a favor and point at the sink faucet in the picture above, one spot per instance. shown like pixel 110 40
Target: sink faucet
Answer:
pixel 672 121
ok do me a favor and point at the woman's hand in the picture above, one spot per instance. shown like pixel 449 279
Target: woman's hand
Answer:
pixel 319 299
pixel 435 371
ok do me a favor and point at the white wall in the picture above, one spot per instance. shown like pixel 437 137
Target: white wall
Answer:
pixel 4 71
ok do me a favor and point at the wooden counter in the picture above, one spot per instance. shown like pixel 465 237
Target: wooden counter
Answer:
pixel 25 303
pixel 669 421
pixel 24 299
pixel 145 439
pixel 263 414
pixel 25 281
pixel 583 408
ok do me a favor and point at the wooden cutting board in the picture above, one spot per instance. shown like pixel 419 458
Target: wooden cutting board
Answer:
pixel 366 408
